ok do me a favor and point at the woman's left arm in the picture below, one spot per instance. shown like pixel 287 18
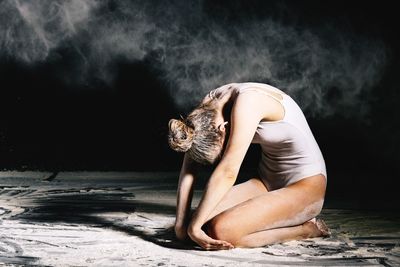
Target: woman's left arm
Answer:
pixel 248 110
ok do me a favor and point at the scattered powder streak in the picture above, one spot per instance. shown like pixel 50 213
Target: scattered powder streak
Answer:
pixel 325 67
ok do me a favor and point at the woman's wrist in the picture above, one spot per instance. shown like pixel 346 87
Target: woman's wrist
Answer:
pixel 193 228
pixel 179 223
pixel 181 232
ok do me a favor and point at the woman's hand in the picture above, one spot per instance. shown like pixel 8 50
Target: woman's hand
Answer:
pixel 206 242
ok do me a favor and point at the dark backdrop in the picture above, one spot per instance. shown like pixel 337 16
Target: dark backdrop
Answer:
pixel 49 123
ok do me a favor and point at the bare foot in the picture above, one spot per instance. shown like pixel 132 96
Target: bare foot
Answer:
pixel 316 228
pixel 323 228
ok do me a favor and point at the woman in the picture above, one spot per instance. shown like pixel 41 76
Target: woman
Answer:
pixel 280 204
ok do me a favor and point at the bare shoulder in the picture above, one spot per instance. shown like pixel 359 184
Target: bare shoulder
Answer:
pixel 217 92
pixel 254 103
pixel 263 86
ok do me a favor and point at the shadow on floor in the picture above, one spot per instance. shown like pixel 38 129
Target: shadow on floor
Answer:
pixel 82 207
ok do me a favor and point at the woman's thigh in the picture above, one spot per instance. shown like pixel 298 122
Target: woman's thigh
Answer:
pixel 288 206
pixel 238 194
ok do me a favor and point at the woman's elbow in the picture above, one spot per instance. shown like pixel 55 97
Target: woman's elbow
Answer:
pixel 229 172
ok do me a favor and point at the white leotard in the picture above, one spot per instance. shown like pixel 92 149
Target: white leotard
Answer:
pixel 289 149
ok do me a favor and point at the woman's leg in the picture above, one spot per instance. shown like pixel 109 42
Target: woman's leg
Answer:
pixel 271 217
pixel 238 194
pixel 312 228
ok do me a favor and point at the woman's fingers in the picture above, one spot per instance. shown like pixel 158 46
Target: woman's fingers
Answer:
pixel 217 244
pixel 217 247
pixel 206 242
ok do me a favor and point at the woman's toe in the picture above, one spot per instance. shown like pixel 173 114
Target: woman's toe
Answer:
pixel 323 227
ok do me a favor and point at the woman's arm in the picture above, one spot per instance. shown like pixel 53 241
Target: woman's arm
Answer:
pixel 187 177
pixel 248 110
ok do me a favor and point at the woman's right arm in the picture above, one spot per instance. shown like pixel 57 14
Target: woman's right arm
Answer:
pixel 187 177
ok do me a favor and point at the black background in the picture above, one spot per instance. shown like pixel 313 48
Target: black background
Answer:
pixel 48 124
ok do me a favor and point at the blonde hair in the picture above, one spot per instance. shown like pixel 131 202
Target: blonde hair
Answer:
pixel 197 135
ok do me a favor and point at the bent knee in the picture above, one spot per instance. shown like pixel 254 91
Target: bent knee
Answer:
pixel 217 228
pixel 221 229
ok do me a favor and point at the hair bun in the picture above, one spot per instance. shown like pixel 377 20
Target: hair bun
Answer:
pixel 180 136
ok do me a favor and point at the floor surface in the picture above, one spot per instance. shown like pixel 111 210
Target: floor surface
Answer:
pixel 124 219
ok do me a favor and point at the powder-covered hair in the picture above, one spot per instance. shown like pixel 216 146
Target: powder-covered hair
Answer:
pixel 197 135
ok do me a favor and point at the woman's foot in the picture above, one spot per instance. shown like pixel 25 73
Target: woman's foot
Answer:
pixel 316 228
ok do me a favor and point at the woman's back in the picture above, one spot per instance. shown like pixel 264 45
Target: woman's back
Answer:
pixel 289 149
